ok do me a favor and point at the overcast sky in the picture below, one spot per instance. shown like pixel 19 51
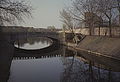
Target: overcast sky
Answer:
pixel 46 13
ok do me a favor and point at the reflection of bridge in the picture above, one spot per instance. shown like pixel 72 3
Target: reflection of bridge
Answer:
pixel 55 49
pixel 62 51
pixel 58 52
pixel 23 55
pixel 51 51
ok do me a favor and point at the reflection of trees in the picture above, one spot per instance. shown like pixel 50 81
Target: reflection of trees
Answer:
pixel 73 71
pixel 20 42
pixel 42 40
pixel 32 41
pixel 76 70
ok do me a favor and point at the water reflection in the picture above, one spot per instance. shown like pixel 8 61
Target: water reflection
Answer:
pixel 78 69
pixel 63 65
pixel 33 43
pixel 66 66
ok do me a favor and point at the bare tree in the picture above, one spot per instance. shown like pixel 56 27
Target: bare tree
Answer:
pixel 93 13
pixel 85 11
pixel 13 11
pixel 67 19
pixel 117 6
pixel 105 7
pixel 70 23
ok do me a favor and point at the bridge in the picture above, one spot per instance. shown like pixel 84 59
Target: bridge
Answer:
pixel 13 36
pixel 51 51
pixel 55 50
pixel 23 55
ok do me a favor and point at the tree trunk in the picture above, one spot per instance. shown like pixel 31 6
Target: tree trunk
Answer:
pixel 90 29
pixel 99 31
pixel 119 18
pixel 110 29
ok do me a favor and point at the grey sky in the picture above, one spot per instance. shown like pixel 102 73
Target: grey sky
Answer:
pixel 46 13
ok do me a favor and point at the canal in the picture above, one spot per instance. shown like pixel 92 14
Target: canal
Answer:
pixel 62 64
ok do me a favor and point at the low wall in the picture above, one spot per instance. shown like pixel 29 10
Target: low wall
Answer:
pixel 101 45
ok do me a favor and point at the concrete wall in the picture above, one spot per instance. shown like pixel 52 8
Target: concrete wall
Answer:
pixel 104 45
pixel 103 31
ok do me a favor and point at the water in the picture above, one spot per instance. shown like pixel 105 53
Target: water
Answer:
pixel 59 69
pixel 33 43
pixel 36 70
pixel 63 65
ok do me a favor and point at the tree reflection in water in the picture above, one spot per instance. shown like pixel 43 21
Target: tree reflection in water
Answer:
pixel 77 69
pixel 32 40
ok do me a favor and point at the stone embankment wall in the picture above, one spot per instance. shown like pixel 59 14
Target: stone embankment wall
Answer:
pixel 101 45
pixel 6 55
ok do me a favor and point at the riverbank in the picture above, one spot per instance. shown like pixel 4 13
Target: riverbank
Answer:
pixel 100 46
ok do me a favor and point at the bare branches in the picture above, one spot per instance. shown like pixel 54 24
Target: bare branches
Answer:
pixel 12 11
pixel 67 19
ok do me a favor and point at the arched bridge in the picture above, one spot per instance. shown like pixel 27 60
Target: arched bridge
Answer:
pixel 16 36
